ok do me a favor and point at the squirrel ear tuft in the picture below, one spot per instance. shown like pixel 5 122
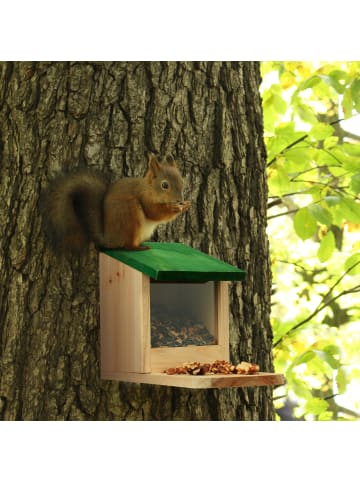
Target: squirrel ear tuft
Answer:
pixel 170 160
pixel 154 165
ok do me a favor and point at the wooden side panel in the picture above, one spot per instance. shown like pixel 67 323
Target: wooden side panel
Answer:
pixel 222 308
pixel 124 318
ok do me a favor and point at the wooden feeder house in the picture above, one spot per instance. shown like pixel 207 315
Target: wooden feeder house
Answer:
pixel 165 306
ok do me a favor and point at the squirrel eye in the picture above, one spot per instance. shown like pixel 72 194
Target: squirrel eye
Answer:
pixel 164 185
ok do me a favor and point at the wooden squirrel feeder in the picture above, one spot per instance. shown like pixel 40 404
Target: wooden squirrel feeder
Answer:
pixel 165 306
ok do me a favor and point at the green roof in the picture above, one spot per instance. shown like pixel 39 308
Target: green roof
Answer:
pixel 177 262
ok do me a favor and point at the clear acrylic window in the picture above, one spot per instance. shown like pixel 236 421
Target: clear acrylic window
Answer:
pixel 182 314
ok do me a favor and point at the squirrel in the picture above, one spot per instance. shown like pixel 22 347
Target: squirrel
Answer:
pixel 82 207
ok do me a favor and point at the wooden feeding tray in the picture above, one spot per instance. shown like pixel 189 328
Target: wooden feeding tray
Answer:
pixel 165 306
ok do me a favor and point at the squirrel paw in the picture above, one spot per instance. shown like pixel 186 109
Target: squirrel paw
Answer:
pixel 178 207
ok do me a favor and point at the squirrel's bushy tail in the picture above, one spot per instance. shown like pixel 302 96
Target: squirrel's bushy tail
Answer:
pixel 73 210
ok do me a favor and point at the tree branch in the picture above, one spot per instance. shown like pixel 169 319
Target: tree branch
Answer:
pixel 272 204
pixel 350 135
pixel 313 271
pixel 292 211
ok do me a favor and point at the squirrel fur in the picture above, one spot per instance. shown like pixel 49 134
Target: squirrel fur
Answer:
pixel 82 207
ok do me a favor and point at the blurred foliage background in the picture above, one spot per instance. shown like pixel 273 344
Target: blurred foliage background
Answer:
pixel 312 135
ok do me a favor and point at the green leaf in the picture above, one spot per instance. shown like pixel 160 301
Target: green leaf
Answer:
pixel 341 380
pixel 304 224
pixel 285 129
pixel 275 145
pixel 351 149
pixel 333 82
pixel 348 155
pixel 299 158
pixel 332 200
pixel 351 165
pixel 350 210
pixel 328 358
pixel 300 153
pixel 286 132
pixel 270 119
pixel 339 75
pixel 355 88
pixel 326 157
pixel 310 82
pixel 279 183
pixel 280 105
pixel 353 260
pixel 355 93
pixel 321 131
pixel 325 416
pixel 337 171
pixel 287 79
pixel 332 349
pixel 304 358
pixel 317 193
pixel 316 406
pixel 355 183
pixel 357 104
pixel 322 215
pixel 272 99
pixel 300 388
pixel 347 103
pixel 331 141
pixel 327 247
pixel 305 113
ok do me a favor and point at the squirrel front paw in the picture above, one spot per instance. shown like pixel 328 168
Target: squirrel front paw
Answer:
pixel 178 207
pixel 185 205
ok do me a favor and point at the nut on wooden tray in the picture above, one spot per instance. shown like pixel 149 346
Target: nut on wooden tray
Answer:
pixel 218 367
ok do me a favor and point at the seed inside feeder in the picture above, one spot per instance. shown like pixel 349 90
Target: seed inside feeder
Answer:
pixel 170 329
pixel 183 314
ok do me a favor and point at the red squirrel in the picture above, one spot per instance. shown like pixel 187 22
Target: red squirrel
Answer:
pixel 81 207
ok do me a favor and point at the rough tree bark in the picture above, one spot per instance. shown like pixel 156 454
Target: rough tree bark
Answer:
pixel 55 116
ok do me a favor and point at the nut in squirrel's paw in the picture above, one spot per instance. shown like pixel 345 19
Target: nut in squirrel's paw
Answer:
pixel 185 205
pixel 178 207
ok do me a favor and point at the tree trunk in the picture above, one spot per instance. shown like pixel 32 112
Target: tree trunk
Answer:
pixel 56 116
